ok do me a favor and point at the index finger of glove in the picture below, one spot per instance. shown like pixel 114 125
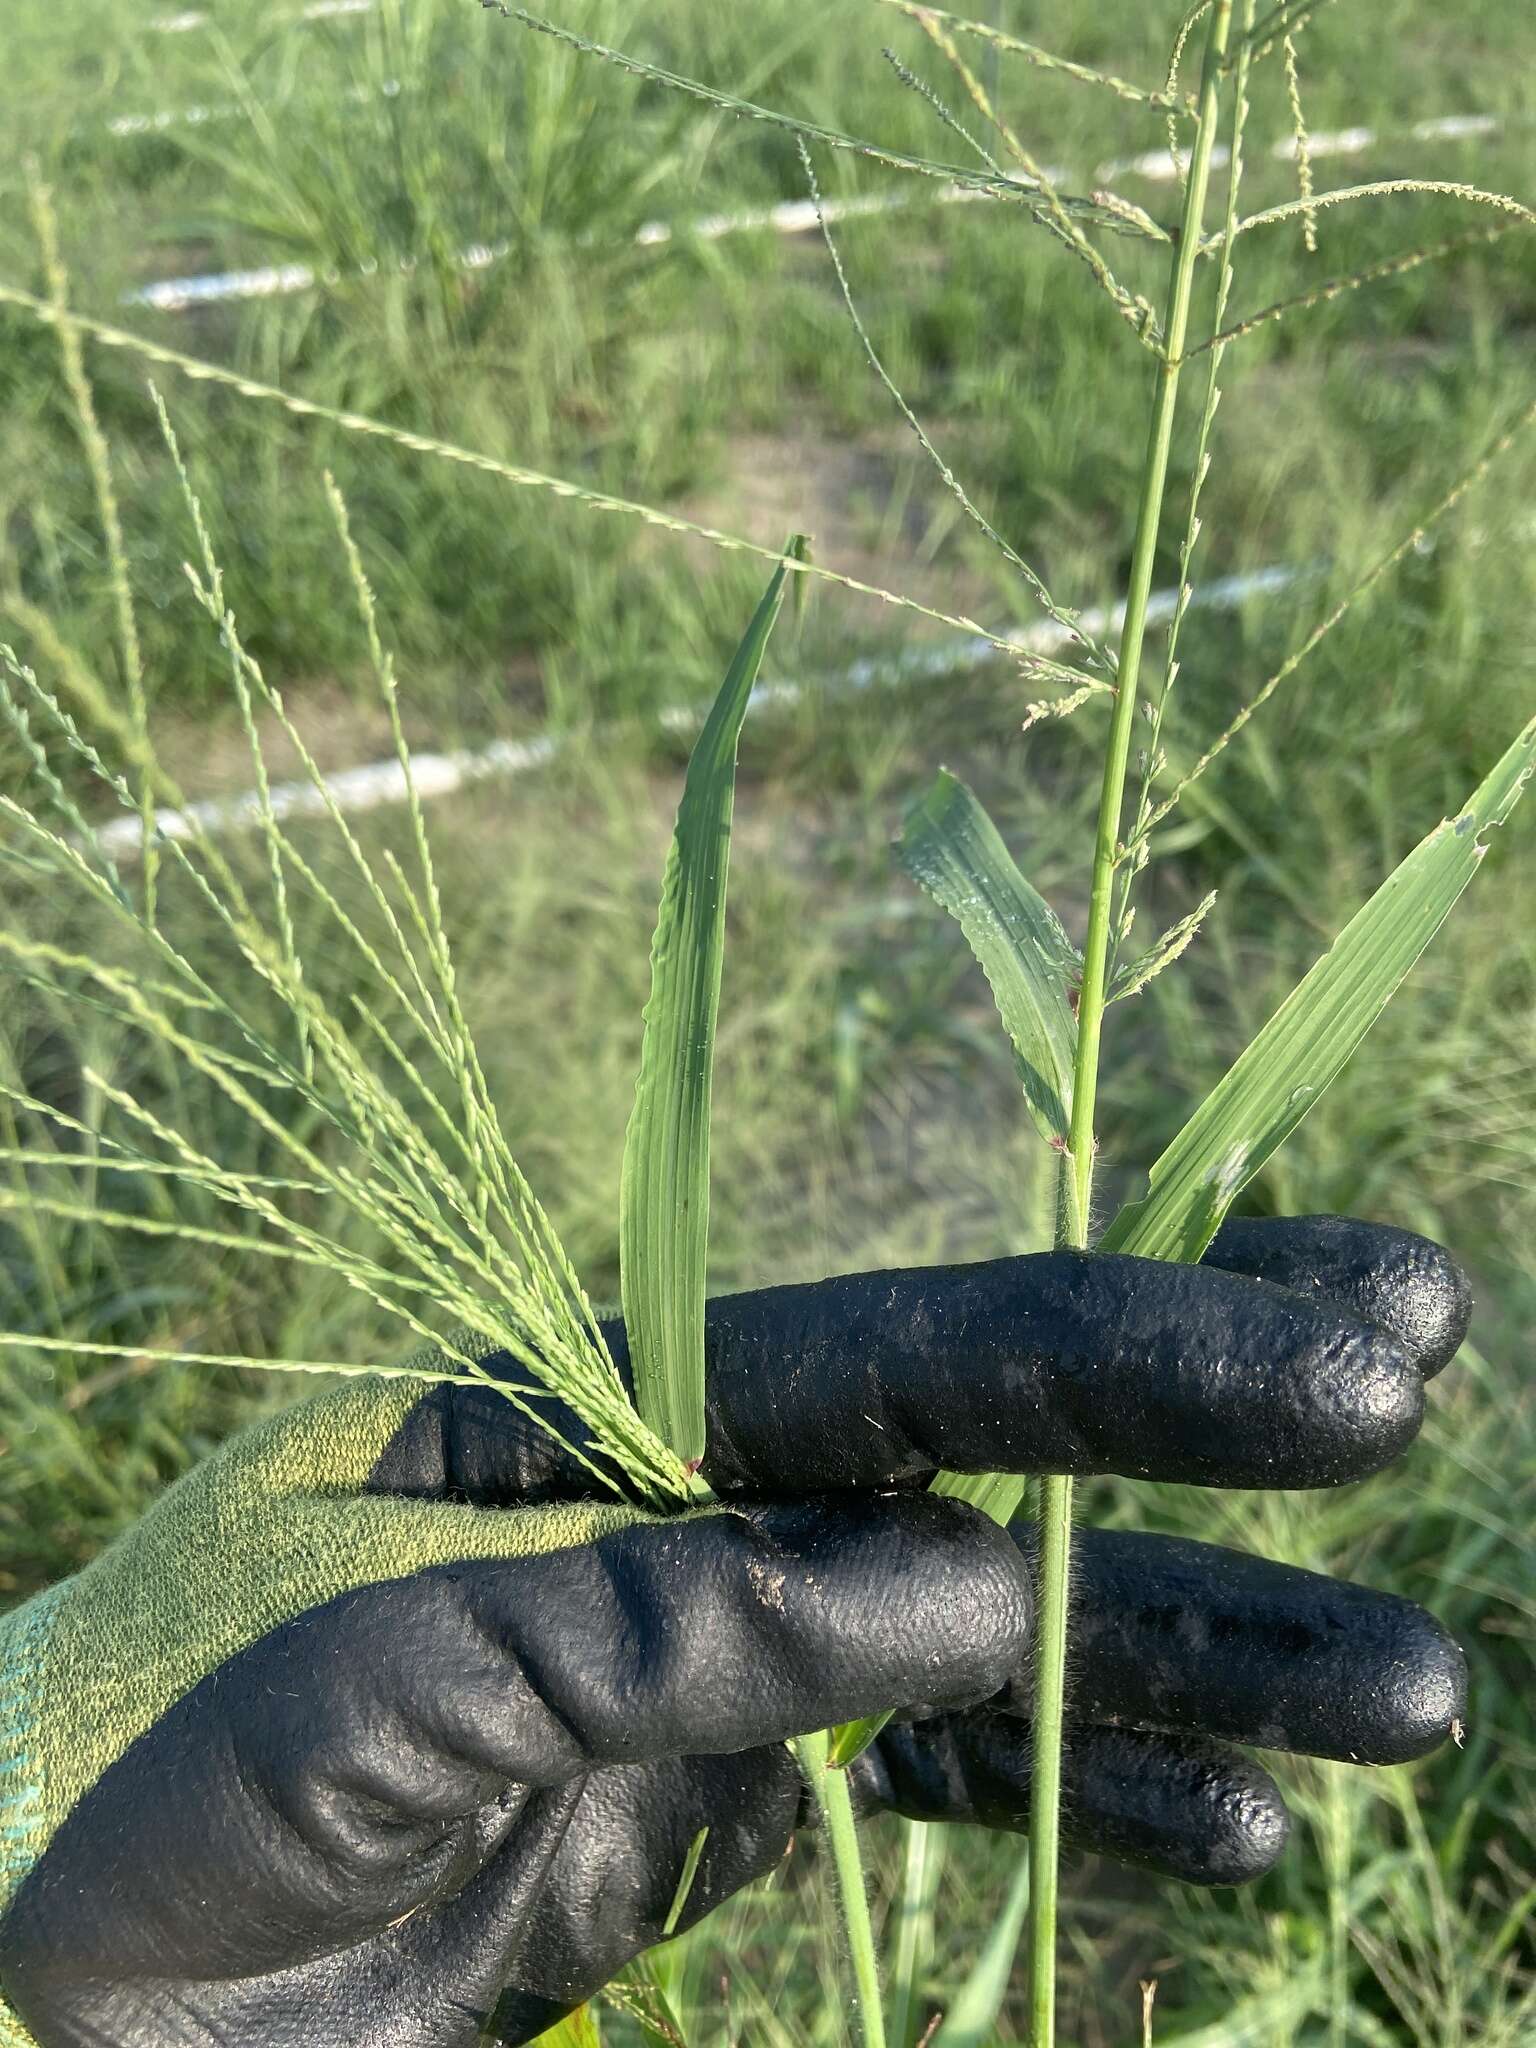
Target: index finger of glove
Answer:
pixel 1294 1356
pixel 1400 1281
pixel 1081 1363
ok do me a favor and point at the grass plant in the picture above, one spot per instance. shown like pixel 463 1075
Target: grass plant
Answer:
pixel 345 1121
pixel 1308 1041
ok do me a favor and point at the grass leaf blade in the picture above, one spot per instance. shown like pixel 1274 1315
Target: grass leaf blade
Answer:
pixel 1274 1082
pixel 850 1739
pixel 972 2017
pixel 664 1189
pixel 690 1871
pixel 953 850
pixel 998 1494
pixel 579 2029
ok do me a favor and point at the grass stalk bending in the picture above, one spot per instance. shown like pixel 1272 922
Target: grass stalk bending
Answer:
pixel 1055 1510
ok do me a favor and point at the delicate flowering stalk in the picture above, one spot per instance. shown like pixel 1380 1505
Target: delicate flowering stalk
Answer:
pixel 1055 1509
pixel 834 1804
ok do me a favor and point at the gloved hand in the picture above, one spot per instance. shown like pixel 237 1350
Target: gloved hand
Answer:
pixel 380 1723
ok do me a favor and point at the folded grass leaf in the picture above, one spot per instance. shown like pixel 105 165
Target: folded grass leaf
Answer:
pixel 998 1494
pixel 664 1190
pixel 1273 1083
pixel 851 1739
pixel 953 850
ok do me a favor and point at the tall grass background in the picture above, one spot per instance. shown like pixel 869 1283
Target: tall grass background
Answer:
pixel 864 1110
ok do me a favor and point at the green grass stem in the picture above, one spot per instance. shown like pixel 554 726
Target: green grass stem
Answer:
pixel 1055 1511
pixel 834 1803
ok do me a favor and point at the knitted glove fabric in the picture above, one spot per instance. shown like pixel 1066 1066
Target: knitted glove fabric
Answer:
pixel 280 1521
pixel 381 1728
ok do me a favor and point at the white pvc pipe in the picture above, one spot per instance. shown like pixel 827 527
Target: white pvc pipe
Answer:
pixel 197 17
pixel 374 783
pixel 790 217
pixel 1160 166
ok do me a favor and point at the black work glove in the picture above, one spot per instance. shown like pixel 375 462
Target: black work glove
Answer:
pixel 467 1785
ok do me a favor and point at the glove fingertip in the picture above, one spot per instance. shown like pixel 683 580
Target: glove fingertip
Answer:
pixel 1425 1700
pixel 1403 1283
pixel 1189 1809
pixel 1250 1828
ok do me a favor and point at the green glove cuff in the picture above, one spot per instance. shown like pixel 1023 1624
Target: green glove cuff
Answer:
pixel 23 1830
pixel 276 1523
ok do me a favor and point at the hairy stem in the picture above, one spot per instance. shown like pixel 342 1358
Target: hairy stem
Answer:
pixel 834 1803
pixel 1077 1167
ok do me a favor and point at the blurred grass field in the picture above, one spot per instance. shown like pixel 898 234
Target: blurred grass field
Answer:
pixel 866 1111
